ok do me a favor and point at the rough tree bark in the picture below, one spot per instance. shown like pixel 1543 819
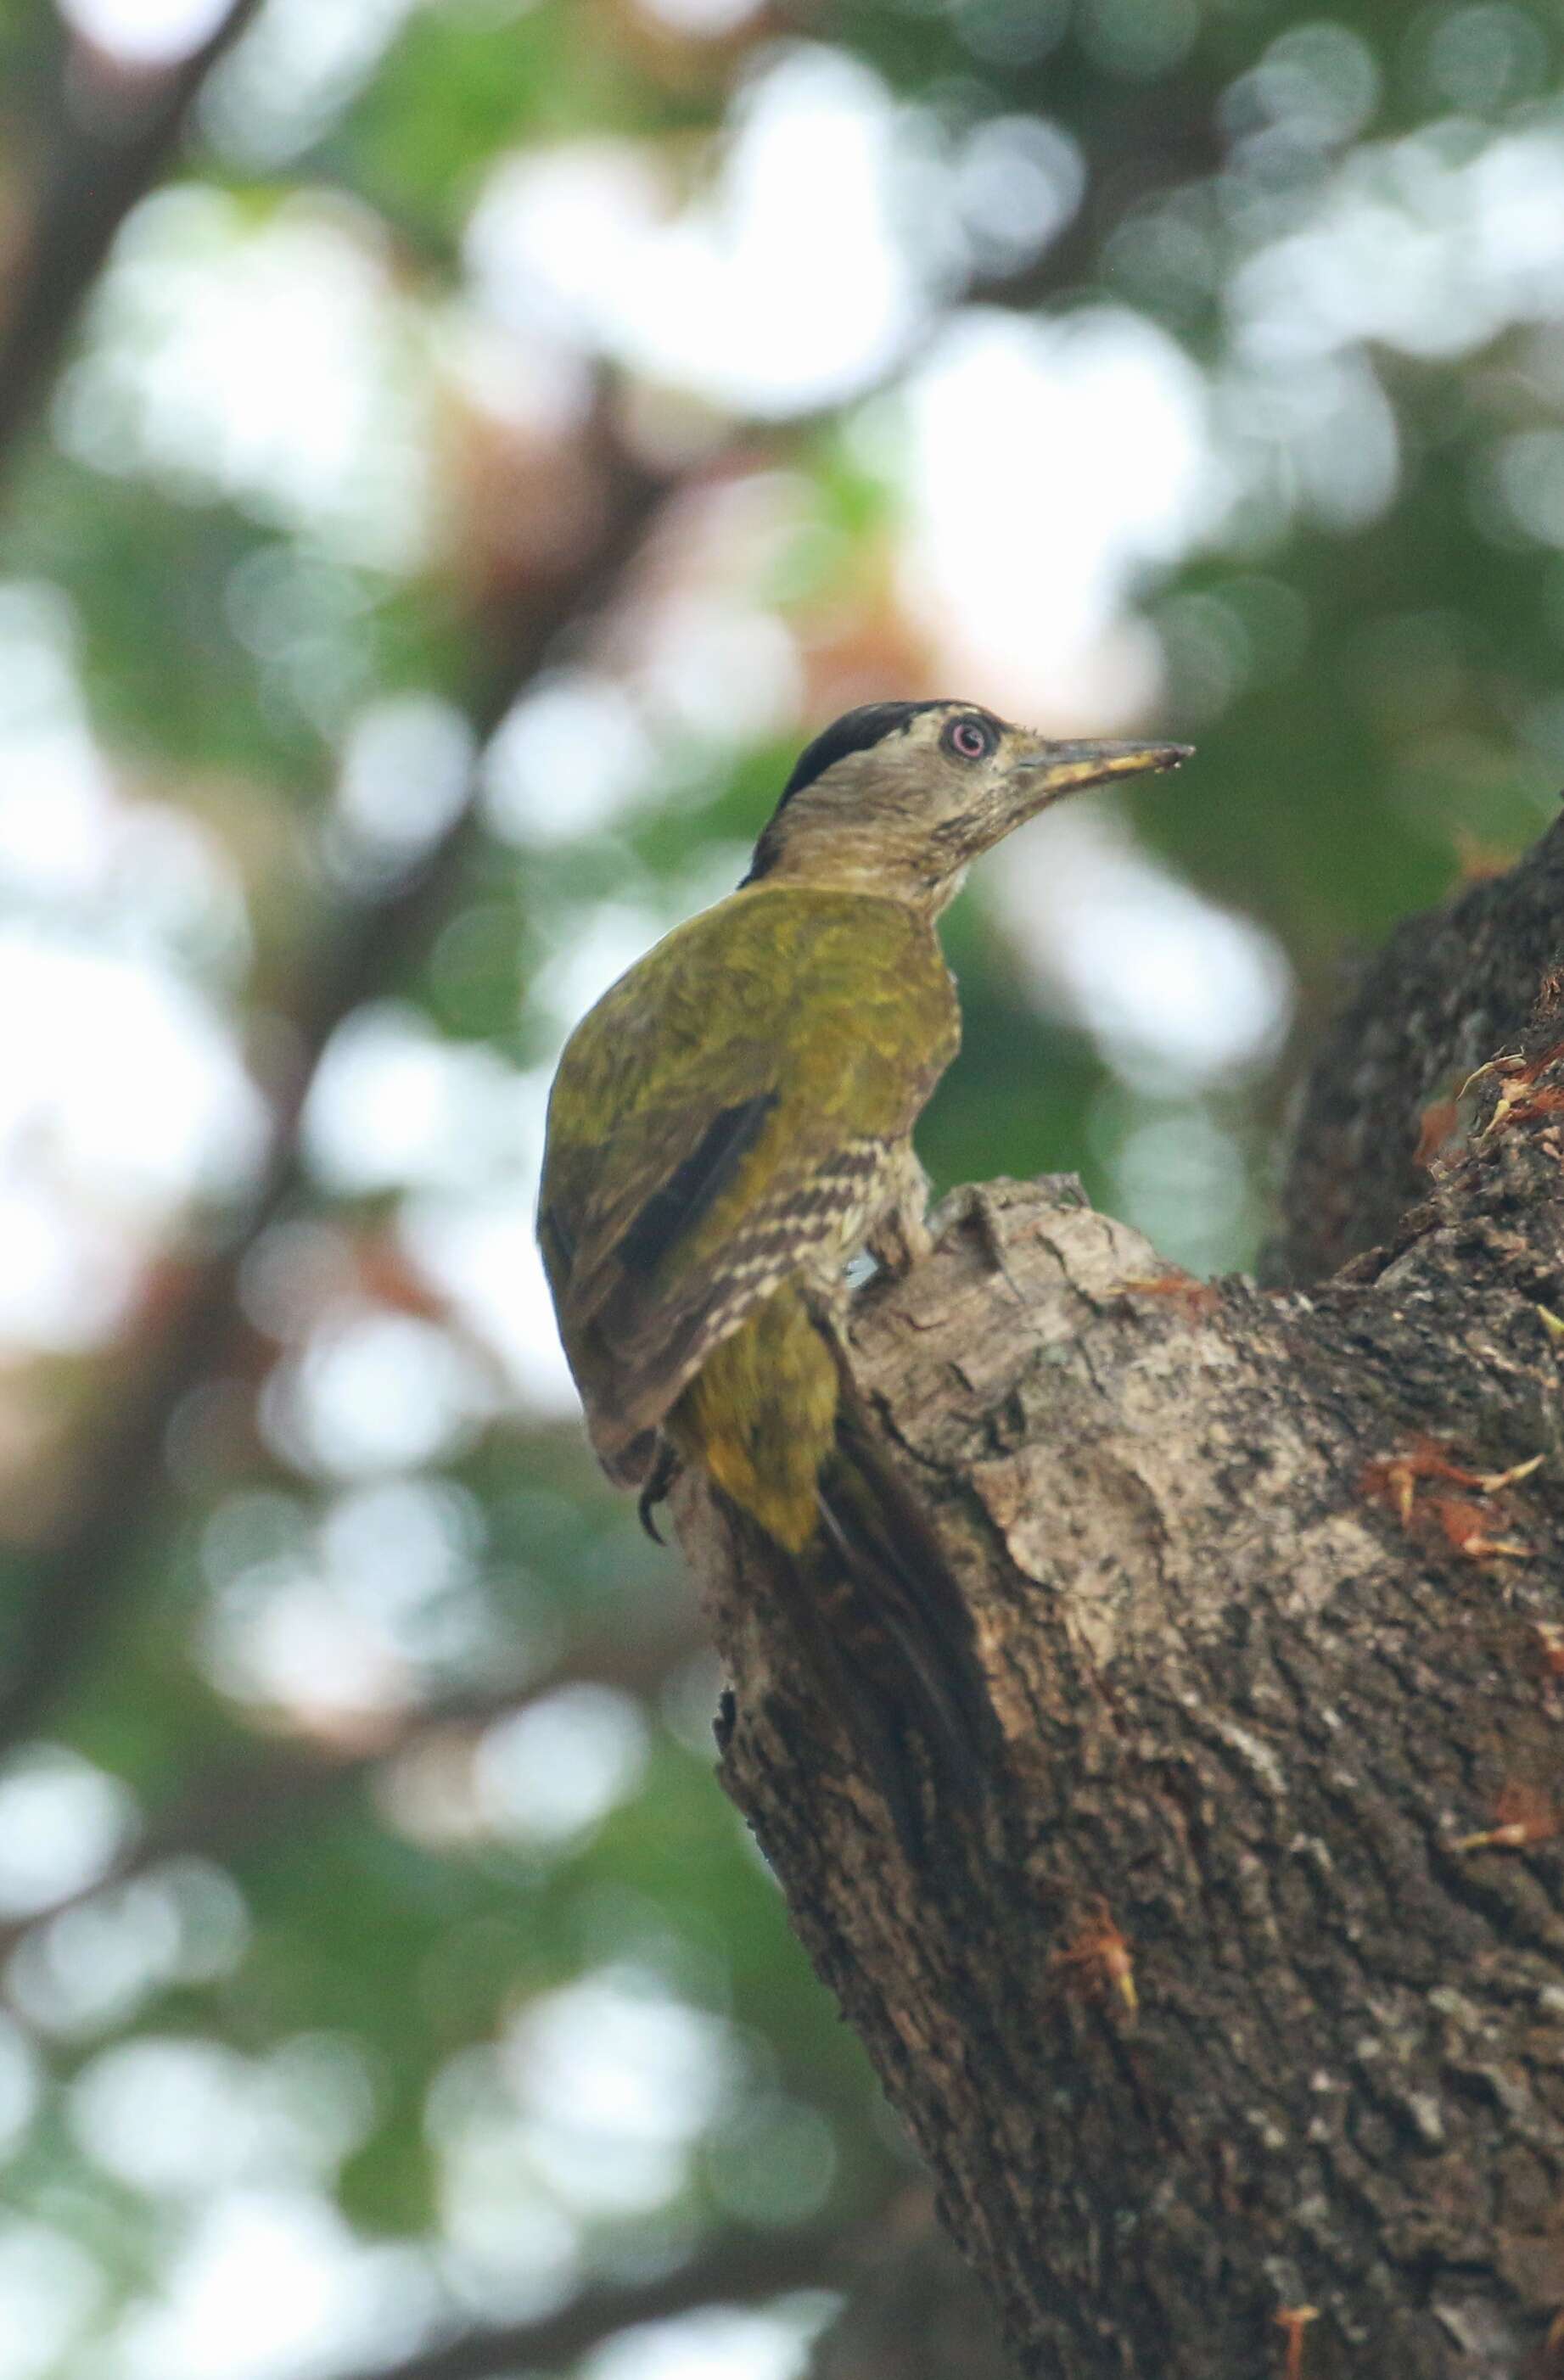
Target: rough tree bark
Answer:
pixel 1271 1645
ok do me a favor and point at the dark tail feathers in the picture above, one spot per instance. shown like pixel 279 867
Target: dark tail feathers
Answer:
pixel 889 1634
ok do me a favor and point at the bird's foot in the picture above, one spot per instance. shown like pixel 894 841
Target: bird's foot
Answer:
pixel 657 1487
pixel 901 1242
pixel 979 1206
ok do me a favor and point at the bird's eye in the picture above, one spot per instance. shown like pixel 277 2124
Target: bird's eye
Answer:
pixel 972 739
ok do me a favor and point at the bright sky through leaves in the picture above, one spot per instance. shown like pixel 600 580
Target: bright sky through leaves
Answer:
pixel 1125 365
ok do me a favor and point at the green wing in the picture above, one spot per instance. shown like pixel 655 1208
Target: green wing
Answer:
pixel 722 1113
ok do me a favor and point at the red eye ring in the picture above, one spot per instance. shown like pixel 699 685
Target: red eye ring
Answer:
pixel 970 739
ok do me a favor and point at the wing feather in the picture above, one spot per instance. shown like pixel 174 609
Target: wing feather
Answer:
pixel 678 1203
pixel 723 1114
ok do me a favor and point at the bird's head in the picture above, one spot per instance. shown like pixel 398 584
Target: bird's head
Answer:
pixel 900 797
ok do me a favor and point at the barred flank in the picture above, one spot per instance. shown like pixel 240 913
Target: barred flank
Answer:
pixel 810 1230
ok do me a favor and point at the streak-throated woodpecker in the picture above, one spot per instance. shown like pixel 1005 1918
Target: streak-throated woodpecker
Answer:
pixel 731 1123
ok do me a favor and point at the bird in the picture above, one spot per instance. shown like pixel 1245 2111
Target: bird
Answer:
pixel 728 1128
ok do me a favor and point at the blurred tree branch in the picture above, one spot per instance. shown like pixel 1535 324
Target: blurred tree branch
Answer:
pixel 115 131
pixel 733 2268
pixel 246 1801
pixel 76 1584
pixel 914 2310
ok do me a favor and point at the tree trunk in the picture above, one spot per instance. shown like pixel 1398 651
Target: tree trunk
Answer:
pixel 1245 1994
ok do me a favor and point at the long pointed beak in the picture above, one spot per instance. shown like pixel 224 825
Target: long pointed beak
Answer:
pixel 1056 769
pixel 1044 772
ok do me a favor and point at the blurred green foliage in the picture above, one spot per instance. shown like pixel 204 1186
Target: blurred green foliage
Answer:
pixel 1347 222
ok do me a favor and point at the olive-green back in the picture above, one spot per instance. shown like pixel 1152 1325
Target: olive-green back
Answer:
pixel 722 1111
